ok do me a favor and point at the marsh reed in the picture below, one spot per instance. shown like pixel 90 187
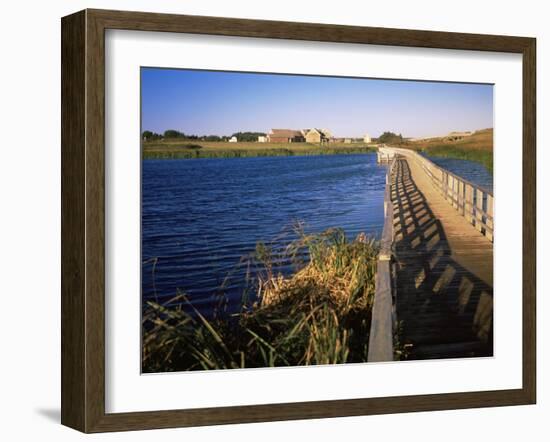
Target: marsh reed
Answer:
pixel 320 314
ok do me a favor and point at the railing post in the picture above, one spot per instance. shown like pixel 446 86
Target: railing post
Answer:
pixel 479 209
pixel 455 193
pixel 489 233
pixel 450 185
pixel 460 198
pixel 469 203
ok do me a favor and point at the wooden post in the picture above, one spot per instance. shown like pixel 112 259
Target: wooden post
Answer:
pixel 450 184
pixel 469 203
pixel 455 193
pixel 489 233
pixel 479 209
pixel 460 197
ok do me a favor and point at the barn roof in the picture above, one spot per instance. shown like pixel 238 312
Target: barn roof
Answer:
pixel 290 133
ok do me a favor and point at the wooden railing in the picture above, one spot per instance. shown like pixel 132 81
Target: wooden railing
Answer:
pixel 472 201
pixel 383 313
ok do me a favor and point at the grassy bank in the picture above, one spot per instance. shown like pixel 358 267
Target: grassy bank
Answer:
pixel 461 153
pixel 477 147
pixel 172 149
pixel 319 315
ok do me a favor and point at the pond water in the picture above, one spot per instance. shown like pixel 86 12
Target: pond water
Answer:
pixel 201 217
pixel 469 170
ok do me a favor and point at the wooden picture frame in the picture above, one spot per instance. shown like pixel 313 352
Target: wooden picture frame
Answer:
pixel 83 219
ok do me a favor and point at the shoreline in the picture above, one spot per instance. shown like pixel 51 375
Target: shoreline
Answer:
pixel 187 150
pixel 239 154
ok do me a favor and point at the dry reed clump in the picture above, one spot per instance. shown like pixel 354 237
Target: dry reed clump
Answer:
pixel 339 273
pixel 318 315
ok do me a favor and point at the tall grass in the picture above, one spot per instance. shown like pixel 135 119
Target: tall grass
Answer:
pixel 476 147
pixel 245 153
pixel 484 157
pixel 319 315
pixel 169 149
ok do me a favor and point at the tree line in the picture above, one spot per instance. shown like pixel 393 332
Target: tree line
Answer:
pixel 390 138
pixel 148 135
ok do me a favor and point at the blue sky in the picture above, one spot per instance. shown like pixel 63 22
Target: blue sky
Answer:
pixel 221 103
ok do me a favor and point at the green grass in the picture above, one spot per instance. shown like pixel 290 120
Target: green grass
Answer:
pixel 461 153
pixel 477 147
pixel 319 315
pixel 173 149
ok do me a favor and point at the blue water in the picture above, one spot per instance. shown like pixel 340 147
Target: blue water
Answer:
pixel 201 217
pixel 469 170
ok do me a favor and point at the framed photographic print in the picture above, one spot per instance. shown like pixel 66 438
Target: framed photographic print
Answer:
pixel 269 220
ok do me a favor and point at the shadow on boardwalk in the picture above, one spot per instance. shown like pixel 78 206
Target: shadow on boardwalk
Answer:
pixel 443 310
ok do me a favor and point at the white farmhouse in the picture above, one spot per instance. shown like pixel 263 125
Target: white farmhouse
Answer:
pixel 366 138
pixel 233 139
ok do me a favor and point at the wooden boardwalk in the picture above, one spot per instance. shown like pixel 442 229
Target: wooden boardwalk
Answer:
pixel 441 272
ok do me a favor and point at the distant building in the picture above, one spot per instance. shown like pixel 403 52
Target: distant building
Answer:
pixel 455 136
pixel 348 140
pixel 262 139
pixel 285 136
pixel 367 138
pixel 460 134
pixel 233 139
pixel 318 136
pixel 451 136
